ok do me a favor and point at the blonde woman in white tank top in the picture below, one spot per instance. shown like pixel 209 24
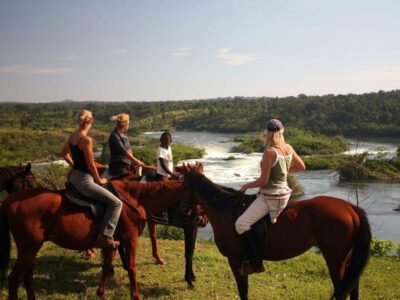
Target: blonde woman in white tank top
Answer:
pixel 274 193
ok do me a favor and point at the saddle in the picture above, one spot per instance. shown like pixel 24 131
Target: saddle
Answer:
pixel 74 196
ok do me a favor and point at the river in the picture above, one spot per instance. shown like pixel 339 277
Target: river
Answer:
pixel 377 198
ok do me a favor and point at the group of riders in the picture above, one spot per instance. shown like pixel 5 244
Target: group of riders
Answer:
pixel 278 159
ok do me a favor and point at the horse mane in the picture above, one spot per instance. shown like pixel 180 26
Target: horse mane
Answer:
pixel 138 189
pixel 7 173
pixel 219 197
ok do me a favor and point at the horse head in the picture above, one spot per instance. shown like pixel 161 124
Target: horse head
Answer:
pixel 189 204
pixel 23 179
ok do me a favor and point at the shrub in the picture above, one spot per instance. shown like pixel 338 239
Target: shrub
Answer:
pixel 53 176
pixel 165 232
pixel 382 248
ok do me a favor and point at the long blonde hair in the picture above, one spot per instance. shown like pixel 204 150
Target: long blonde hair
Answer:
pixel 84 117
pixel 121 120
pixel 273 139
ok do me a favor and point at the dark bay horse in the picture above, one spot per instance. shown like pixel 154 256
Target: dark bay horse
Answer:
pixel 190 225
pixel 339 229
pixel 14 179
pixel 37 215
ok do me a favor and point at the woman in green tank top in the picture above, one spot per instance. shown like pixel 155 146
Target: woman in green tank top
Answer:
pixel 274 193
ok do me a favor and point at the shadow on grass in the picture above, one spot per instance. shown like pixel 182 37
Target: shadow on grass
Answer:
pixel 71 275
pixel 153 291
pixel 65 274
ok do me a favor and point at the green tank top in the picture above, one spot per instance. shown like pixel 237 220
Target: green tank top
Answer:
pixel 278 176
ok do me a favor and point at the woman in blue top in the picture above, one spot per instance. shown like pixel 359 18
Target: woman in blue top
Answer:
pixel 78 153
pixel 122 161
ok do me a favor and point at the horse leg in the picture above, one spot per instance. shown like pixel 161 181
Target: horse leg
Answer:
pixel 153 238
pixel 354 293
pixel 106 271
pixel 23 270
pixel 121 252
pixel 130 252
pixel 28 283
pixel 242 282
pixel 190 232
pixel 337 268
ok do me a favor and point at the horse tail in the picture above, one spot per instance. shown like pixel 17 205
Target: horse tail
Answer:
pixel 359 256
pixel 5 244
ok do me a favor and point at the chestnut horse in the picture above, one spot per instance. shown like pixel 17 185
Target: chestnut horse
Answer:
pixel 38 215
pixel 339 229
pixel 14 179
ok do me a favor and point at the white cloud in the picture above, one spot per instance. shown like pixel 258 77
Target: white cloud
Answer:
pixel 26 69
pixel 69 57
pixel 183 51
pixel 228 57
pixel 119 52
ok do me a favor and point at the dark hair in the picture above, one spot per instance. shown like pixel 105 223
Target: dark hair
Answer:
pixel 165 134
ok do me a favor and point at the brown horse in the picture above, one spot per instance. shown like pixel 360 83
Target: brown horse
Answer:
pixel 38 215
pixel 339 229
pixel 190 225
pixel 14 179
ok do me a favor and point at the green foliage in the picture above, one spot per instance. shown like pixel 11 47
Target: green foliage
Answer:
pixel 295 185
pixel 323 162
pixel 359 167
pixel 249 144
pixel 309 144
pixel 365 115
pixel 304 143
pixel 381 248
pixel 165 232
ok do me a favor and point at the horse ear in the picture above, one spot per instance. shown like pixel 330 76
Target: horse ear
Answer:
pixel 28 168
pixel 200 168
pixel 185 168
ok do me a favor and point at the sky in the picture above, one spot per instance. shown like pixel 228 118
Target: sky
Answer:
pixel 51 50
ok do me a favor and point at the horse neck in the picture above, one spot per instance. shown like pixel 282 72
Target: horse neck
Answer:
pixel 166 195
pixel 7 174
pixel 208 194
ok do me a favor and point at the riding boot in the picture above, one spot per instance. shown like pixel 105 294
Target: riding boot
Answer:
pixel 252 261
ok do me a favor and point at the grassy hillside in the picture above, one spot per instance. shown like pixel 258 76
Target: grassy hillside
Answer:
pixel 61 274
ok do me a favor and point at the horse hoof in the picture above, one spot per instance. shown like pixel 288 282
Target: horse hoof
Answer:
pixel 190 286
pixel 161 261
pixel 101 294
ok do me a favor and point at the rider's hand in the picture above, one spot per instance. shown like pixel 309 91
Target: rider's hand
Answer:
pixel 175 175
pixel 103 181
pixel 244 188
